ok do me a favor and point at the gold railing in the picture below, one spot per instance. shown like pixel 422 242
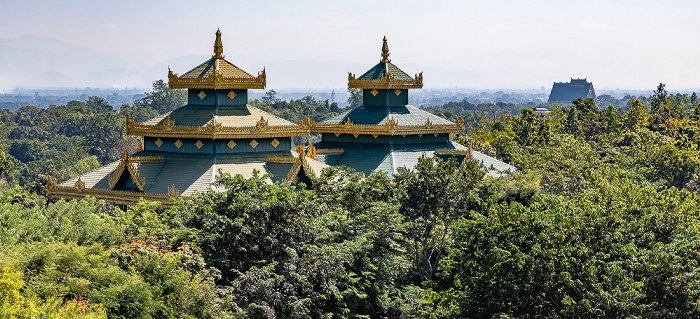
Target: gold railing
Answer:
pixel 78 191
pixel 388 81
pixel 216 81
pixel 214 130
pixel 389 128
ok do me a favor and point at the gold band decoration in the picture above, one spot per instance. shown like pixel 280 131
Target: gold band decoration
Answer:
pixel 388 81
pixel 217 81
pixel 330 151
pixel 214 130
pixel 389 128
pixel 281 159
pixel 112 196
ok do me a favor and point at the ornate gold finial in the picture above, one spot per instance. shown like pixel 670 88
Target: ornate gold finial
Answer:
pixel 385 52
pixel 173 192
pixel 311 152
pixel 218 47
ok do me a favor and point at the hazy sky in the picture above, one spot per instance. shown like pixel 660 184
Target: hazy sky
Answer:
pixel 617 44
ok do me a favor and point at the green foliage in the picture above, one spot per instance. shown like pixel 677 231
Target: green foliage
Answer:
pixel 431 198
pixel 13 304
pixel 355 98
pixel 162 98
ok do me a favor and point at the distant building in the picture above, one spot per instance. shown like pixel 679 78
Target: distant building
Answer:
pixel 564 92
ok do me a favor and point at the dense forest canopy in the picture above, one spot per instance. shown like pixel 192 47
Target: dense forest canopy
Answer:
pixel 600 220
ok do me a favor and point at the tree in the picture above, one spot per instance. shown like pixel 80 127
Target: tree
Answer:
pixel 432 196
pixel 636 117
pixel 98 105
pixel 270 97
pixel 355 98
pixel 275 247
pixel 101 131
pixel 162 99
pixel 658 98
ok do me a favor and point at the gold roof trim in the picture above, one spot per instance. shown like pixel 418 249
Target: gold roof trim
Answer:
pixel 299 163
pixel 389 128
pixel 281 159
pixel 388 81
pixel 216 80
pixel 111 196
pixel 330 151
pixel 127 163
pixel 214 130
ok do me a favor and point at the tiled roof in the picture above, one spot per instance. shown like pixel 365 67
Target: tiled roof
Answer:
pixel 226 68
pixel 382 68
pixel 366 158
pixel 404 115
pixel 565 92
pixel 191 173
pixel 229 116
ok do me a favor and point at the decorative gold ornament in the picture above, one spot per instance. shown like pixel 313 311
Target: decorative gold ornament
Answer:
pixel 281 159
pixel 330 151
pixel 214 130
pixel 311 152
pixel 387 81
pixel 217 81
pixel 178 143
pixel 53 190
pixel 159 142
pixel 199 144
pixel 127 163
pixel 390 127
pixel 202 95
pixel 397 92
pixel 275 143
pixel 231 144
pixel 385 52
pixel 80 185
pixel 173 192
pixel 374 92
pixel 231 95
pixel 253 143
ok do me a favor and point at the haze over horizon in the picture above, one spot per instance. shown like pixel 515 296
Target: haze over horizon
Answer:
pixel 313 44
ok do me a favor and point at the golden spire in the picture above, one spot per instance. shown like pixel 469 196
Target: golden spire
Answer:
pixel 218 47
pixel 385 52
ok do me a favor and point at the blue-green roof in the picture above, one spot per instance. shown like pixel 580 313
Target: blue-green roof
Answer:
pixel 366 158
pixel 404 115
pixel 382 68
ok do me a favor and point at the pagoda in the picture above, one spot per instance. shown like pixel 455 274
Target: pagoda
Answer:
pixel 184 150
pixel 385 132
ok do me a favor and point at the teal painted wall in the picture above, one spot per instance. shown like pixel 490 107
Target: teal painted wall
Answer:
pixel 386 139
pixel 217 97
pixel 384 98
pixel 242 145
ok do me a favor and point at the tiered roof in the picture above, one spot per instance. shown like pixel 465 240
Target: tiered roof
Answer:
pixel 185 149
pixel 386 133
pixel 385 75
pixel 217 73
